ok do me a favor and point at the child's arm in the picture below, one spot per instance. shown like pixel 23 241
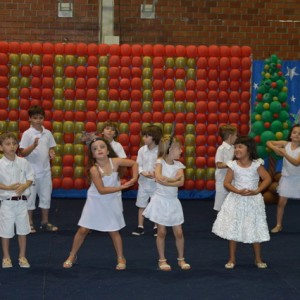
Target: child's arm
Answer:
pixel 26 151
pixel 22 187
pixel 221 165
pixel 11 187
pixel 177 181
pixel 275 145
pixel 129 163
pixel 292 160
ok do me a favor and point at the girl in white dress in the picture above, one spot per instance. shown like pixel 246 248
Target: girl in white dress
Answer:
pixel 290 175
pixel 242 217
pixel 165 208
pixel 103 210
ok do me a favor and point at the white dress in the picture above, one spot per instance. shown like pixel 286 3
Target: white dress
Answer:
pixel 103 212
pixel 165 207
pixel 290 175
pixel 243 218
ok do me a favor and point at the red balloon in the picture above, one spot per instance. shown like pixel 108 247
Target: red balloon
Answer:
pixel 200 140
pixel 67 183
pixel 90 126
pixel 212 107
pixel 212 129
pixel 235 62
pixel 214 50
pixel 189 184
pixel 157 106
pixel 201 129
pixel 234 107
pixel 236 51
pixel 135 117
pixel 68 160
pixel 212 118
pixel 147 117
pixel 234 118
pixel 158 62
pixel 201 118
pixel 158 95
pixel 200 162
pixel 201 151
pixel 158 117
pixel 191 51
pixel 246 51
pixel 123 139
pixel 79 183
pixel 136 83
pixel 201 96
pixel 202 63
pixel 148 50
pixel 199 184
pixel 169 117
pixel 210 185
pixel 135 140
pixel 190 118
pixel 102 116
pixel 180 117
pixel 213 85
pixel 211 141
pixel 223 118
pixel 170 50
pixel 180 50
pixel 213 62
pixel 158 50
pixel 57 182
pixel 180 129
pixel 203 51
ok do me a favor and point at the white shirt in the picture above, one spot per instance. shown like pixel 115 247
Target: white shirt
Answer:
pixel 146 159
pixel 18 170
pixel 39 157
pixel 117 147
pixel 224 154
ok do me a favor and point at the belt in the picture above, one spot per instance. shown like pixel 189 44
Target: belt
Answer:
pixel 17 198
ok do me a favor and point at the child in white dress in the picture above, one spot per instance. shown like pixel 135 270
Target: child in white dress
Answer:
pixel 165 208
pixel 103 210
pixel 242 217
pixel 224 154
pixel 290 175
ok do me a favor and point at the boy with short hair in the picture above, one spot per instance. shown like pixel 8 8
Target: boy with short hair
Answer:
pixel 37 146
pixel 224 154
pixel 146 159
pixel 110 133
pixel 16 176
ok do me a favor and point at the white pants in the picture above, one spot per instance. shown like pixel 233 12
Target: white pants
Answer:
pixel 14 213
pixel 143 196
pixel 43 188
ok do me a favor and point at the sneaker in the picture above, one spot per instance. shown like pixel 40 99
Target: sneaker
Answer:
pixel 138 231
pixel 6 263
pixel 23 262
pixel 155 231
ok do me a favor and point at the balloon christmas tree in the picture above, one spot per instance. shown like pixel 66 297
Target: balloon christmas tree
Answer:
pixel 270 118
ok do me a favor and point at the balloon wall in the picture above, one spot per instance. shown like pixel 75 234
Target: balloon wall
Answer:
pixel 190 90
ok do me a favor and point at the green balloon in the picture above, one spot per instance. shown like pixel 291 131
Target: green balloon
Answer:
pixel 285 133
pixel 275 107
pixel 267 97
pixel 267 136
pixel 282 96
pixel 259 107
pixel 266 116
pixel 280 84
pixel 283 116
pixel 261 151
pixel 274 58
pixel 267 84
pixel 273 92
pixel 258 127
pixel 276 126
pixel 261 89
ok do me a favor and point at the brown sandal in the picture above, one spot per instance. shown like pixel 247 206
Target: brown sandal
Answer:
pixel 121 264
pixel 163 265
pixel 183 265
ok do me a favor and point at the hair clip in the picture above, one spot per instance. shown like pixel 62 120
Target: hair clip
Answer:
pixel 296 117
pixel 88 137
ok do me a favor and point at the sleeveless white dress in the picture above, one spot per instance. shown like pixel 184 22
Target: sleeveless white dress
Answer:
pixel 164 207
pixel 243 218
pixel 290 176
pixel 103 212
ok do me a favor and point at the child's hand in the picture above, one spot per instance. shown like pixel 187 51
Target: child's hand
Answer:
pixel 14 186
pixel 21 188
pixel 51 153
pixel 128 184
pixel 246 192
pixel 162 180
pixel 36 142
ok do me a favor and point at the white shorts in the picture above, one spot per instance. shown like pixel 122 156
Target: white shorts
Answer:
pixel 143 197
pixel 14 213
pixel 42 187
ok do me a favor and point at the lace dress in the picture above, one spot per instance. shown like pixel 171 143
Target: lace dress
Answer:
pixel 243 218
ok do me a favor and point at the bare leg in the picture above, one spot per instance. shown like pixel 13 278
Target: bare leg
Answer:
pixel 5 247
pixel 160 241
pixel 141 217
pixel 179 240
pixel 232 252
pixel 77 242
pixel 257 252
pixel 22 245
pixel 280 209
pixel 44 215
pixel 118 245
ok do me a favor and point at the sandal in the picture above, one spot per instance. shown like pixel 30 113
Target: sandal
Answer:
pixel 23 262
pixel 230 265
pixel 163 265
pixel 69 263
pixel 6 263
pixel 261 265
pixel 121 264
pixel 276 229
pixel 183 265
pixel 48 227
pixel 32 229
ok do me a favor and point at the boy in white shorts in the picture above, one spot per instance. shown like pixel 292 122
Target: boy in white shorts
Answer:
pixel 146 159
pixel 16 176
pixel 37 146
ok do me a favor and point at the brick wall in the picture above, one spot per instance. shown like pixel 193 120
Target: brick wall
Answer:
pixel 267 26
pixel 36 20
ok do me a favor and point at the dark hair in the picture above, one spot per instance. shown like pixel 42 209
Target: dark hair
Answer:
pixel 154 131
pixel 6 136
pixel 250 144
pixel 36 110
pixel 111 154
pixel 226 130
pixel 114 125
pixel 290 133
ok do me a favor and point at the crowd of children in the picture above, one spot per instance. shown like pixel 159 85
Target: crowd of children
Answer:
pixel 240 181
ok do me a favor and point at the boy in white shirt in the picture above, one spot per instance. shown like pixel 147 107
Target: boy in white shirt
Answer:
pixel 224 154
pixel 146 159
pixel 110 133
pixel 16 176
pixel 37 146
